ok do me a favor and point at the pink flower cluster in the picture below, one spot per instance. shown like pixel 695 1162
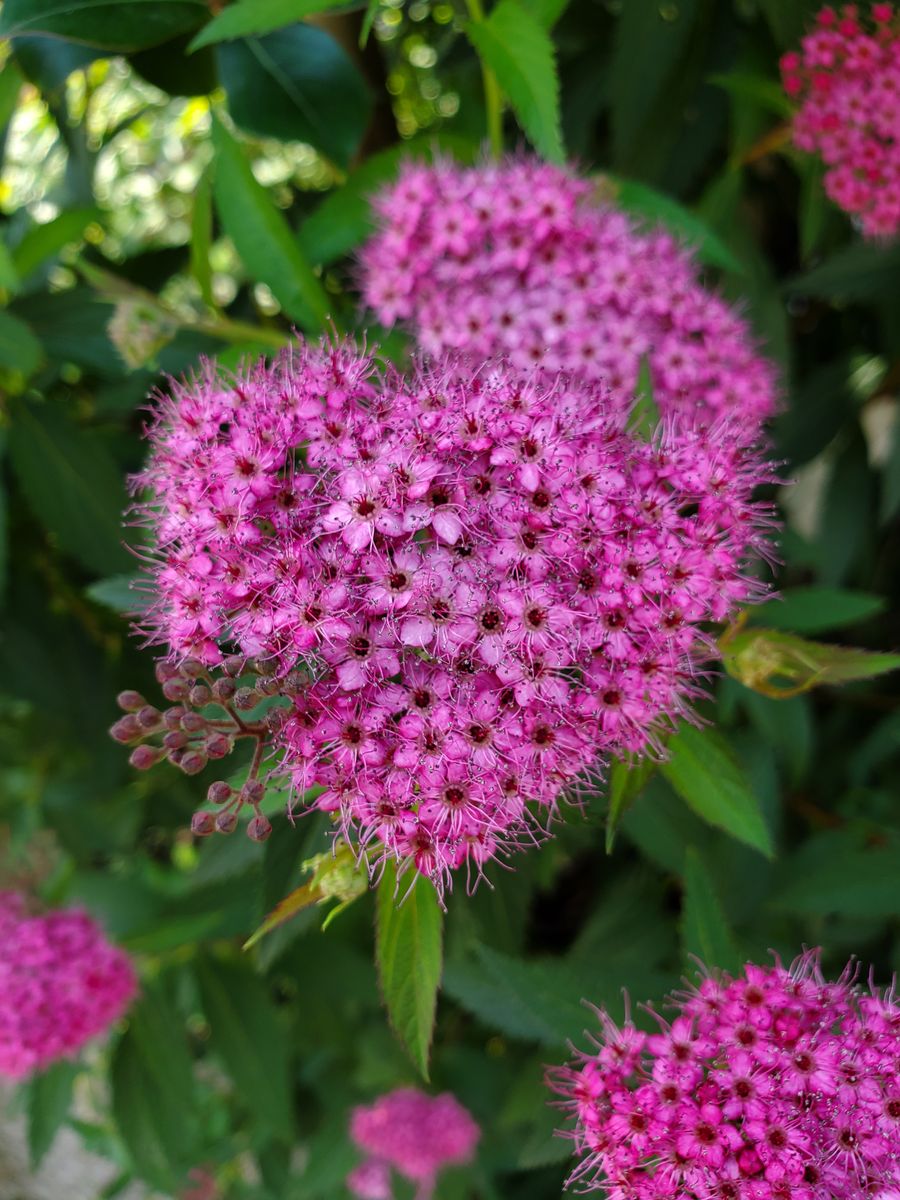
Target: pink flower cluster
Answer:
pixel 846 78
pixel 61 983
pixel 415 1134
pixel 488 581
pixel 522 259
pixel 774 1085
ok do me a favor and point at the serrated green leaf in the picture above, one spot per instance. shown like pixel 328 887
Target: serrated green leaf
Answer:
pixel 519 51
pixel 153 1092
pixel 816 609
pixel 71 483
pixel 409 957
pixel 547 12
pixel 20 350
pixel 298 85
pixel 703 771
pixel 656 207
pixel 251 17
pixel 245 1032
pixel 705 933
pixel 118 25
pixel 49 1097
pixel 262 237
pixel 43 242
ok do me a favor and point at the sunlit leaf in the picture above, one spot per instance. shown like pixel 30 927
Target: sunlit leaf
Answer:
pixel 781 664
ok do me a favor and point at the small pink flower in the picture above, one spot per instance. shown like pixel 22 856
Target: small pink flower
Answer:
pixel 737 1098
pixel 61 984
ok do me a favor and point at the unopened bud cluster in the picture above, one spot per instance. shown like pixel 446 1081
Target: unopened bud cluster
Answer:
pixel 207 715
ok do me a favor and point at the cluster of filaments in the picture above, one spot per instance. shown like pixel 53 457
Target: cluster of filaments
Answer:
pixel 483 582
pixel 774 1085
pixel 846 80
pixel 525 260
pixel 61 983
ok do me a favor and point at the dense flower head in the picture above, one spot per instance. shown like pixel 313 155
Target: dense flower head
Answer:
pixel 415 1134
pixel 61 984
pixel 846 80
pixel 525 259
pixel 773 1084
pixel 462 589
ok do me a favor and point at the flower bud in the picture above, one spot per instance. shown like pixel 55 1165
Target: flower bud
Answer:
pixel 226 822
pixel 275 718
pixel 149 718
pixel 219 792
pixel 192 722
pixel 219 745
pixel 175 689
pixel 200 695
pixel 165 671
pixel 234 664
pixel 130 701
pixel 246 698
pixel 126 729
pixel 175 757
pixel 175 740
pixel 203 824
pixel 259 828
pixel 224 689
pixel 192 667
pixel 145 757
pixel 193 762
pixel 172 717
pixel 268 685
pixel 253 791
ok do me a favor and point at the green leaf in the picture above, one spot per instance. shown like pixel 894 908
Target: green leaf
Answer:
pixel 49 1096
pixel 520 52
pixel 546 12
pixel 20 350
pixel 626 782
pixel 705 932
pixel 153 1092
pixel 72 484
pixel 702 770
pixel 660 209
pixel 117 593
pixel 788 21
pixel 860 271
pixel 201 237
pixel 408 953
pixel 297 85
pixel 766 92
pixel 817 609
pixel 262 237
pixel 43 242
pixel 837 872
pixel 536 1000
pixel 780 664
pixel 249 17
pixel 344 219
pixel 11 80
pixel 368 21
pixel 246 1034
pixel 118 25
pixel 650 40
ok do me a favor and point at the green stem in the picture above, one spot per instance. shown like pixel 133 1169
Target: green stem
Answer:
pixel 493 97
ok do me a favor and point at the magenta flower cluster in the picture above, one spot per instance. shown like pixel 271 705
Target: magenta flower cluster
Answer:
pixel 846 79
pixel 772 1085
pixel 522 259
pixel 489 582
pixel 415 1134
pixel 61 984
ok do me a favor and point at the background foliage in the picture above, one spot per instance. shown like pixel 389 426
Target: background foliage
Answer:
pixel 181 179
